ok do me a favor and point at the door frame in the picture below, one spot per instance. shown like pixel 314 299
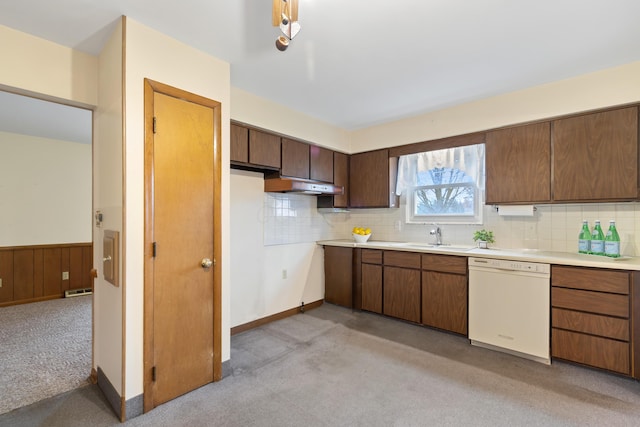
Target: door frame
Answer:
pixel 151 87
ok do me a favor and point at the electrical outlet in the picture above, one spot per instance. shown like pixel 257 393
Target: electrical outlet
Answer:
pixel 284 274
pixel 65 275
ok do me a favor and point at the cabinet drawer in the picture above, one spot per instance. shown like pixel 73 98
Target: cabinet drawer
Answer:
pixel 372 256
pixel 589 350
pixel 594 324
pixel 590 279
pixel 445 263
pixel 402 259
pixel 592 302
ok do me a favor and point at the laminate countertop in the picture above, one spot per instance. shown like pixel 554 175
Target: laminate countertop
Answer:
pixel 528 255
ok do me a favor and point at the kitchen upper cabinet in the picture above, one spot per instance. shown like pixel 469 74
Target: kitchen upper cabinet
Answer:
pixel 369 180
pixel 338 275
pixel 445 292
pixel 295 159
pixel 264 149
pixel 518 164
pixel 341 178
pixel 321 164
pixel 595 156
pixel 239 144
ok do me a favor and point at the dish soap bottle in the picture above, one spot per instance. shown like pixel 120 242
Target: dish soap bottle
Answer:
pixel 597 240
pixel 584 238
pixel 612 241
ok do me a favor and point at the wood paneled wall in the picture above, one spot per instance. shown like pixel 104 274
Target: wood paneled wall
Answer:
pixel 34 273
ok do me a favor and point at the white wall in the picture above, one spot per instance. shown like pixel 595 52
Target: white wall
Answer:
pixel 610 87
pixel 48 70
pixel 108 198
pixel 258 287
pixel 45 191
pixel 150 54
pixel 257 111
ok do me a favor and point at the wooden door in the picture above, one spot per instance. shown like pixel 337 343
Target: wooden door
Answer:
pixel 182 331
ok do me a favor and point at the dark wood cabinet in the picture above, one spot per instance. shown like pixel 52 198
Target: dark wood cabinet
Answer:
pixel 338 275
pixel 341 178
pixel 590 317
pixel 295 159
pixel 239 144
pixel 595 156
pixel 401 290
pixel 518 164
pixel 264 149
pixel 321 164
pixel 369 181
pixel 445 292
pixel 371 280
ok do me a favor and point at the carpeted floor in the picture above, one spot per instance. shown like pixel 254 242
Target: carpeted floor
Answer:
pixel 45 350
pixel 335 367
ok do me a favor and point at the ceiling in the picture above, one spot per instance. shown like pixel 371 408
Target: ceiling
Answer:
pixel 359 63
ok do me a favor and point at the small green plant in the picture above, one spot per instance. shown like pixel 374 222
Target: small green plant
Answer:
pixel 483 236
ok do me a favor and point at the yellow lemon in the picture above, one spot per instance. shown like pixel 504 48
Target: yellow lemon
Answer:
pixel 367 231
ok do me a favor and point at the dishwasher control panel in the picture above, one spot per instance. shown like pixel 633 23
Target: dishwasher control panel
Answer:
pixel 505 264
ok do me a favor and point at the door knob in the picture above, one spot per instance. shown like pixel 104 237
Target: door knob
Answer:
pixel 206 263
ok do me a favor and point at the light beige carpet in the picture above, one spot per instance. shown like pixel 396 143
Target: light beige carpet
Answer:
pixel 45 350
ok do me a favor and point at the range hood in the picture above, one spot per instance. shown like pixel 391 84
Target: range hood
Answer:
pixel 302 186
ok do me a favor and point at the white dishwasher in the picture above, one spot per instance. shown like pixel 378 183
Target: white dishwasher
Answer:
pixel 509 307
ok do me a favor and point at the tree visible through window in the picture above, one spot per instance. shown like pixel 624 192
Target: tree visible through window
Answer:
pixel 443 185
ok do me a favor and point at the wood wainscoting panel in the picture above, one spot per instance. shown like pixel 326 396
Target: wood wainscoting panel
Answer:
pixel 6 274
pixel 23 273
pixel 34 273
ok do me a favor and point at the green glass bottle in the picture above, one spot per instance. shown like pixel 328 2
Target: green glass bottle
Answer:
pixel 597 240
pixel 584 238
pixel 612 241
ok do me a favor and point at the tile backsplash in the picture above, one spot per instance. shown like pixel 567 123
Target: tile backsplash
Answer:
pixel 293 218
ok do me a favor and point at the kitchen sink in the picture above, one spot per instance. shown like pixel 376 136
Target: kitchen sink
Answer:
pixel 444 247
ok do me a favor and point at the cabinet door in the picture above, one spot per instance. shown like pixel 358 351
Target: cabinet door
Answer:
pixel 264 149
pixel 341 177
pixel 372 287
pixel 369 179
pixel 295 159
pixel 320 164
pixel 596 156
pixel 239 144
pixel 338 277
pixel 518 164
pixel 402 293
pixel 444 301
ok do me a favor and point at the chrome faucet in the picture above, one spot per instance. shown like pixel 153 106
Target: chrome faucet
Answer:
pixel 438 233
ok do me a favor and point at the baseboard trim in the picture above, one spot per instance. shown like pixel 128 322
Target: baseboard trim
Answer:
pixel 109 391
pixel 283 314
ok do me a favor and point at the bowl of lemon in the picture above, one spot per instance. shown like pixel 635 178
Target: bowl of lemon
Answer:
pixel 360 234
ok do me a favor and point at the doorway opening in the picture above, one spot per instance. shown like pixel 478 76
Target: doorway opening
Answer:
pixel 45 248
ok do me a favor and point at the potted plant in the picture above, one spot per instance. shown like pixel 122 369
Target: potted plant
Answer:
pixel 483 237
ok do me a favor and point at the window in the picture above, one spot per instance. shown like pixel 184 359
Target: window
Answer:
pixel 444 186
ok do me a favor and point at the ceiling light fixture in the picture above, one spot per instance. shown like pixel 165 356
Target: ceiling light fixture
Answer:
pixel 285 16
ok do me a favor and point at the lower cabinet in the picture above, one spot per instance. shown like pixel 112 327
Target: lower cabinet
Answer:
pixel 338 275
pixel 591 322
pixel 372 288
pixel 402 293
pixel 444 292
